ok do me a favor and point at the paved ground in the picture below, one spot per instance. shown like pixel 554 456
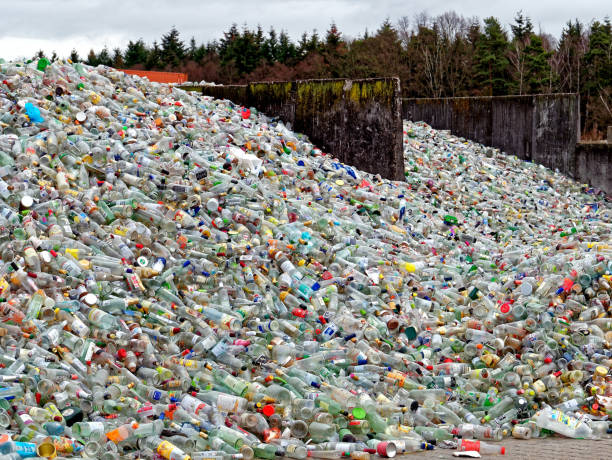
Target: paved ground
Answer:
pixel 536 449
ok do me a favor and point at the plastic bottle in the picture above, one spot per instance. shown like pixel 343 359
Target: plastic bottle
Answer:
pixel 466 445
pixel 557 421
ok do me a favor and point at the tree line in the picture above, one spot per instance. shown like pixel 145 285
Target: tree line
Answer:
pixel 435 56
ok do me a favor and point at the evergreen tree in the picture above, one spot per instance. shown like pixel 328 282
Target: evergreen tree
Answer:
pixel 491 61
pixel 598 58
pixel 212 47
pixel 286 51
pixel 92 59
pixel 260 42
pixel 104 58
pixel 118 62
pixel 315 43
pixel 226 44
pixel 154 58
pixel 246 52
pixel 74 56
pixel 241 51
pixel 333 37
pixel 172 49
pixel 135 53
pixel 598 76
pixel 200 52
pixel 522 31
pixel 537 67
pixel 334 52
pixel 302 47
pixel 193 47
pixel 270 47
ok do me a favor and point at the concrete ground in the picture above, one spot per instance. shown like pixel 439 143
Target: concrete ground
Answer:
pixel 552 448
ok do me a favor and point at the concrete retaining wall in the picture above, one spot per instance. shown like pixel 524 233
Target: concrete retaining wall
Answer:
pixel 592 163
pixel 544 129
pixel 541 128
pixel 357 121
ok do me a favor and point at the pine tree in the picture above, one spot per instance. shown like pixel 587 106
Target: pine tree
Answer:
pixel 118 62
pixel 193 47
pixel 302 48
pixel 491 61
pixel 270 47
pixel 74 56
pixel 522 31
pixel 200 52
pixel 598 58
pixel 522 27
pixel 537 67
pixel 334 51
pixel 286 49
pixel 260 41
pixel 315 43
pixel 135 53
pixel 247 51
pixel 226 44
pixel 92 59
pixel 333 38
pixel 104 57
pixel 598 75
pixel 154 58
pixel 172 49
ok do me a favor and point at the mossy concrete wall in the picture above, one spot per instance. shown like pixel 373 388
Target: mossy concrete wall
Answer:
pixel 357 121
pixel 541 128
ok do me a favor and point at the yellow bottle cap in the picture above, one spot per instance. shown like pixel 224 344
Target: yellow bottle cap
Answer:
pixel 601 371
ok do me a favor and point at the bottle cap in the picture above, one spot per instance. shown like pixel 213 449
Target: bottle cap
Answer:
pixel 386 449
pixel 90 299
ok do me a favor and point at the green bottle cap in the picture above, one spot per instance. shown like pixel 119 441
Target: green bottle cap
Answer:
pixel 42 64
pixel 359 413
pixel 410 333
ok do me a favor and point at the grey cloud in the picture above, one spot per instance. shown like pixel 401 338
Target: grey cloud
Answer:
pixel 80 24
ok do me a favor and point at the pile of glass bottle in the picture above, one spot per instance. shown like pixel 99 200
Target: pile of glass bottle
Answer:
pixel 185 278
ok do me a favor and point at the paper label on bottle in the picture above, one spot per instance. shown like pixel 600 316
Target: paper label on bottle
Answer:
pixel 79 327
pixel 188 363
pixel 227 403
pixel 4 286
pixel 165 449
pixel 89 351
pixel 287 266
pixel 26 419
pixel 191 404
pixel 26 449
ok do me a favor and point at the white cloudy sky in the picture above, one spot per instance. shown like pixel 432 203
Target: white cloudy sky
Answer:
pixel 60 25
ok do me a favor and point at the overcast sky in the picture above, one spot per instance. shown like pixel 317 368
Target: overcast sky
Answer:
pixel 60 25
